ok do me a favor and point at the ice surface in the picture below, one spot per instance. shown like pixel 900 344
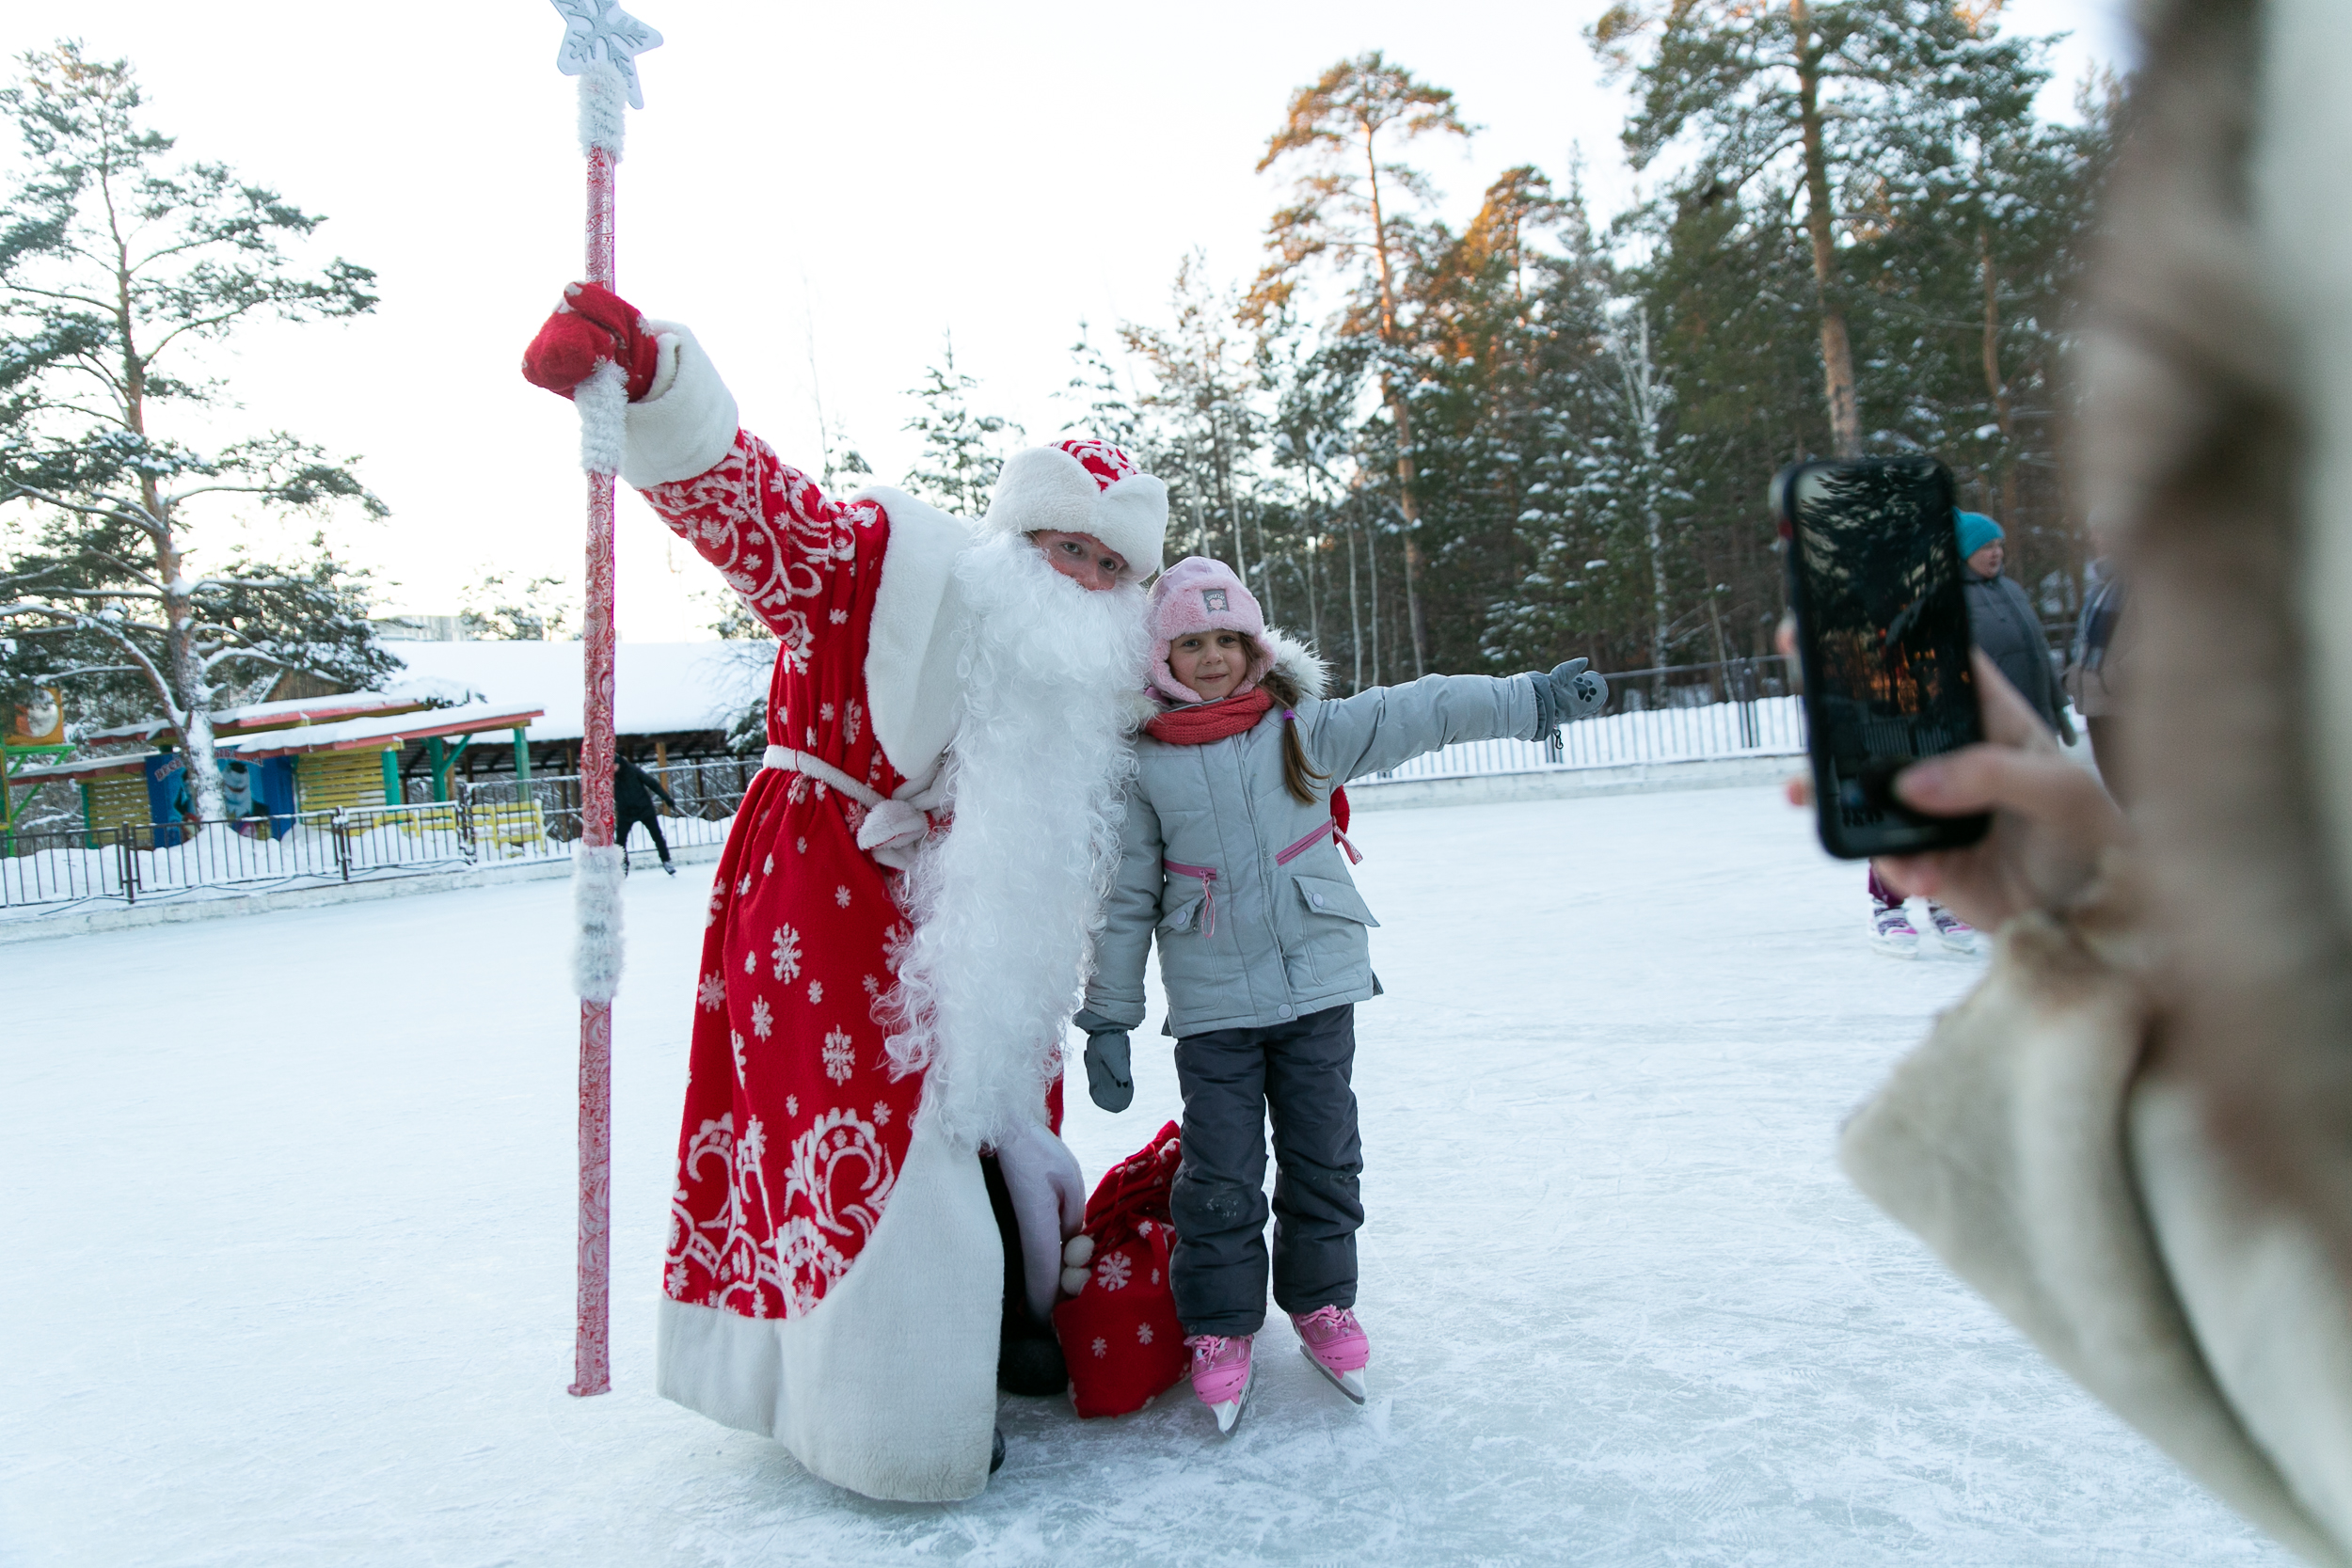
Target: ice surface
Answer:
pixel 290 1284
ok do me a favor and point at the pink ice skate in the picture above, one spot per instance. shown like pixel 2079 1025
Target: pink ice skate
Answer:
pixel 1332 1339
pixel 1221 1375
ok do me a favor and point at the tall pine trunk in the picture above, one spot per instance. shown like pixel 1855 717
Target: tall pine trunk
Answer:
pixel 1355 618
pixel 1644 400
pixel 2002 414
pixel 1845 417
pixel 1314 611
pixel 1407 472
pixel 187 696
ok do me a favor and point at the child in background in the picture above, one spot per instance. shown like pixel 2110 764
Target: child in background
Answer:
pixel 1231 853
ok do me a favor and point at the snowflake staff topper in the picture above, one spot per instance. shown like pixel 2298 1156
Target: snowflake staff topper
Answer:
pixel 594 31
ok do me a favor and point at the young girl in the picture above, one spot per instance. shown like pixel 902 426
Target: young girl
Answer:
pixel 1231 853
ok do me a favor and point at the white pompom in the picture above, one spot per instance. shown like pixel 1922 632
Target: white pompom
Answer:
pixel 597 921
pixel 1072 1281
pixel 1078 1251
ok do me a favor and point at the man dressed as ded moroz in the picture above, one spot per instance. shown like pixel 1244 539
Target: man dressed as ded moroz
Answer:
pixel 898 932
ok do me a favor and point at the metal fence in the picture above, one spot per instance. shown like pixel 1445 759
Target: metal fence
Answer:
pixel 1690 713
pixel 491 823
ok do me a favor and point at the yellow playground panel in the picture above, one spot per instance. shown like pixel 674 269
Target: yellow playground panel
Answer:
pixel 515 826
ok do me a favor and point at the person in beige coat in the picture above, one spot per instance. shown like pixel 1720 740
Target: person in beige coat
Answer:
pixel 2134 1136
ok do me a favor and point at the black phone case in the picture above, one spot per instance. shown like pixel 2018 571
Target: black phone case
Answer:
pixel 1940 833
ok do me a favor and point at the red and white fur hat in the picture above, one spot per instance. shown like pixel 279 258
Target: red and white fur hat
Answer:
pixel 1084 486
pixel 1200 594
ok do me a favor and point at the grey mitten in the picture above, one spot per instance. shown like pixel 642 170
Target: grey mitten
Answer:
pixel 1109 1076
pixel 1576 692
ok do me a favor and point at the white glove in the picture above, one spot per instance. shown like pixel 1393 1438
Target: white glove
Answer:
pixel 1049 1203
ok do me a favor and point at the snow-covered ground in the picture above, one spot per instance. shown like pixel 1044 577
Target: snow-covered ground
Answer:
pixel 289 1282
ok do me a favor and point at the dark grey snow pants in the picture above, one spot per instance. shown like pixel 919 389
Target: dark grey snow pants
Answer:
pixel 1231 1078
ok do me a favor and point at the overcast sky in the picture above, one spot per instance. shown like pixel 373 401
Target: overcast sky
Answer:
pixel 822 191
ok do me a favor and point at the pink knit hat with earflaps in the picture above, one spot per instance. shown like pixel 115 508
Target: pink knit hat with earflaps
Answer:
pixel 1200 594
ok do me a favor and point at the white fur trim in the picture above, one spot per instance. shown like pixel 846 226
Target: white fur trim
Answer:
pixel 918 633
pixel 1132 518
pixel 889 1386
pixel 1044 488
pixel 664 362
pixel 1141 708
pixel 2266 1306
pixel 1300 663
pixel 602 400
pixel 597 921
pixel 683 428
pixel 603 99
pixel 2003 1142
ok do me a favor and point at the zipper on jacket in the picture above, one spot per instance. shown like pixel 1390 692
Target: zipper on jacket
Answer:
pixel 1266 865
pixel 1328 825
pixel 1206 877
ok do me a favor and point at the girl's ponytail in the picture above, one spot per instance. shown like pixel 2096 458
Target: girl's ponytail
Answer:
pixel 1299 776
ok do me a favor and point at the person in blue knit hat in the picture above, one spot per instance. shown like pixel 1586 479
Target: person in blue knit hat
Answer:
pixel 2002 621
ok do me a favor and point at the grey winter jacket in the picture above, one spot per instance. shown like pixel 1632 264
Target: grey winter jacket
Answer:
pixel 2002 621
pixel 1215 826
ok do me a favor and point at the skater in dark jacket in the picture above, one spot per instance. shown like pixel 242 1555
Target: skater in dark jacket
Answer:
pixel 1231 856
pixel 2002 622
pixel 633 790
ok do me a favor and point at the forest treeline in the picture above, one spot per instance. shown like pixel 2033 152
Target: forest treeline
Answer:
pixel 1544 434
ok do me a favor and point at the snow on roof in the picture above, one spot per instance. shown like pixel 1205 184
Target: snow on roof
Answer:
pixel 83 767
pixel 315 710
pixel 381 730
pixel 296 711
pixel 369 730
pixel 660 688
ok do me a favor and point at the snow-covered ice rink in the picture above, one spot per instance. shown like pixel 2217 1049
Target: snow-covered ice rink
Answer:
pixel 289 1236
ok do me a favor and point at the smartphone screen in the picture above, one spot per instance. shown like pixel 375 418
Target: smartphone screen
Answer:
pixel 1883 630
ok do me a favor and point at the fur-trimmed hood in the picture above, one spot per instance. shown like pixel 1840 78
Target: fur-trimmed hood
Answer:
pixel 1306 669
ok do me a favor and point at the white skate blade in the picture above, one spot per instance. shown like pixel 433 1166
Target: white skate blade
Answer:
pixel 1351 1384
pixel 1228 1414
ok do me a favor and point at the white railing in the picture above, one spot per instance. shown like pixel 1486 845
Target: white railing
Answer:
pixel 490 823
pixel 1768 726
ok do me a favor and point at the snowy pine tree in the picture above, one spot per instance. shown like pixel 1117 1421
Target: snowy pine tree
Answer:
pixel 114 270
pixel 962 451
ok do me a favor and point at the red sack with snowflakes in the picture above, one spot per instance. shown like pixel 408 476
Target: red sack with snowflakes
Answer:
pixel 1119 1329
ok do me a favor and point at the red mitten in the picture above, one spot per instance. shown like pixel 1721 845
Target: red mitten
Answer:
pixel 593 324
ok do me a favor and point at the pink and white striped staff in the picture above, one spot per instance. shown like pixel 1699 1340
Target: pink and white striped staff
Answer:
pixel 600 46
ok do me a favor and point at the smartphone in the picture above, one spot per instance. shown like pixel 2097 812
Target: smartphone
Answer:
pixel 1875 578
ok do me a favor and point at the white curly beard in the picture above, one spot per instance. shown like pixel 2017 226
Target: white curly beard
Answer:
pixel 1006 903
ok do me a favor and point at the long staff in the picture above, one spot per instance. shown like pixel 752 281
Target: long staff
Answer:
pixel 601 45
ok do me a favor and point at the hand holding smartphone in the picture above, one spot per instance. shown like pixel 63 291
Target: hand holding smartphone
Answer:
pixel 1875 578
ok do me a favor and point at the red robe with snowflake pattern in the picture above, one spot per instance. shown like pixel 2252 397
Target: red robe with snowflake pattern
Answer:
pixel 797 1135
pixel 794 1126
